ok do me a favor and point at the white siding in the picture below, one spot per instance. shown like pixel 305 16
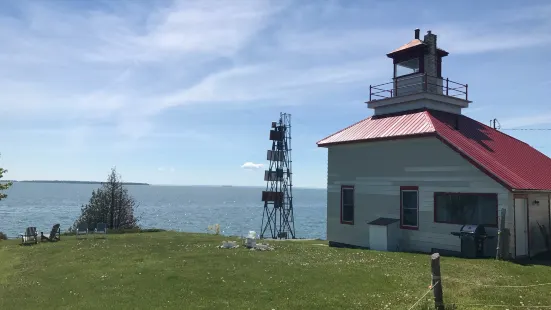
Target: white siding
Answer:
pixel 378 169
pixel 394 236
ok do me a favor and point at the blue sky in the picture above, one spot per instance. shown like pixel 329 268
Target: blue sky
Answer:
pixel 183 92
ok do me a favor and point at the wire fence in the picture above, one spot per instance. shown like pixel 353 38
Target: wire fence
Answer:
pixel 503 306
pixel 454 305
pixel 422 297
pixel 500 286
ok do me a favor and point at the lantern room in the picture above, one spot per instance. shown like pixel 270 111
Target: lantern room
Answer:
pixel 417 80
pixel 418 57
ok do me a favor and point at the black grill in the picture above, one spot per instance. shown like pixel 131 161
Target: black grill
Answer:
pixel 472 240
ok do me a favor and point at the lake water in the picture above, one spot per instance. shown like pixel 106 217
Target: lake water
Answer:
pixel 182 208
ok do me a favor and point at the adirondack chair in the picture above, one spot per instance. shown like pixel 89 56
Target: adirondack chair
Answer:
pixel 82 230
pixel 55 234
pixel 101 229
pixel 30 236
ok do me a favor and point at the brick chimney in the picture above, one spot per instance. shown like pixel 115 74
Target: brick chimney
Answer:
pixel 430 56
pixel 431 66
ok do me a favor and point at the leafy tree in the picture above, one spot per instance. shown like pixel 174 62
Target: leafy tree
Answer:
pixel 3 186
pixel 110 204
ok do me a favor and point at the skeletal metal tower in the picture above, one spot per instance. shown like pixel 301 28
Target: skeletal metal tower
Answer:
pixel 278 218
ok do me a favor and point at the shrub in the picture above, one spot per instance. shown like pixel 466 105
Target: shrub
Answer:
pixel 71 232
pixel 3 236
pixel 110 204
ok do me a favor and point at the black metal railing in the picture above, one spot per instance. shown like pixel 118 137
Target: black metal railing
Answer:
pixel 418 83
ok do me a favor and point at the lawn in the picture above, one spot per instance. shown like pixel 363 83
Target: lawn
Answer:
pixel 169 270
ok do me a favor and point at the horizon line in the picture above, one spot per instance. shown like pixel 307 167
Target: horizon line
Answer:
pixel 153 184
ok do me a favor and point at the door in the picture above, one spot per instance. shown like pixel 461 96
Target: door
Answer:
pixel 521 226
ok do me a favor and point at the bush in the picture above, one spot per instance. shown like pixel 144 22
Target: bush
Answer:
pixel 3 236
pixel 110 204
pixel 71 231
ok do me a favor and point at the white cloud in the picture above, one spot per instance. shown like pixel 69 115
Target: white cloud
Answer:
pixel 245 84
pixel 166 169
pixel 251 166
pixel 112 67
pixel 189 27
pixel 371 42
pixel 473 39
pixel 526 13
pixel 524 27
pixel 91 66
pixel 501 30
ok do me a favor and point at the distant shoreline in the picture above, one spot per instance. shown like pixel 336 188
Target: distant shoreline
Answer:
pixel 72 182
pixel 148 184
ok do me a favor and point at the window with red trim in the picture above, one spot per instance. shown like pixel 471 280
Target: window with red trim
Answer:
pixel 347 204
pixel 465 208
pixel 409 207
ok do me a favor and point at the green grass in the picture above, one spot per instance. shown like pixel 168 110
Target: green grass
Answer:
pixel 169 270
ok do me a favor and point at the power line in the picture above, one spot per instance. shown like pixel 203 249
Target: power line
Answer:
pixel 530 129
pixel 496 125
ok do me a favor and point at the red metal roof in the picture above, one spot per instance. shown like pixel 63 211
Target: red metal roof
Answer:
pixel 511 162
pixel 383 128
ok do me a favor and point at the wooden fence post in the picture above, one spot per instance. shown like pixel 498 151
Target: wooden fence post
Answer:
pixel 500 246
pixel 436 281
